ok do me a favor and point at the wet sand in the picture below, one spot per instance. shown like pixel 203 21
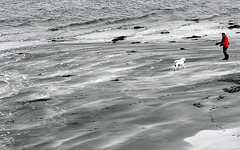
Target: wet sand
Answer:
pixel 120 96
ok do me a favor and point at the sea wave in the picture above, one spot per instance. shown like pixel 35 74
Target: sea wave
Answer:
pixel 78 24
pixel 84 20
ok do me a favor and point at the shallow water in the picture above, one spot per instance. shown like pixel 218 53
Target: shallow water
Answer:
pixel 31 22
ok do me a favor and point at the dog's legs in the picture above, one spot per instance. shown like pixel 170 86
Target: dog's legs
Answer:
pixel 183 66
pixel 176 67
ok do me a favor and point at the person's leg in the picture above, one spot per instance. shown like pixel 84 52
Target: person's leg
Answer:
pixel 226 56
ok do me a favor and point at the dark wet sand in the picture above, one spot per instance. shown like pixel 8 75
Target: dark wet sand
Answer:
pixel 120 96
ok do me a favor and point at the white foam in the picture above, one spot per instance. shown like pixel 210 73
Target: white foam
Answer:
pixel 12 45
pixel 228 139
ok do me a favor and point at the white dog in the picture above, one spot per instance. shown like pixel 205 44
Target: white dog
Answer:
pixel 178 63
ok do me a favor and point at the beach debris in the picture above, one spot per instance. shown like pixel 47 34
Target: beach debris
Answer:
pixel 115 80
pixel 120 38
pixel 172 41
pixel 9 121
pixel 196 20
pixel 232 89
pixel 132 51
pixel 39 100
pixel 36 100
pixel 233 26
pixel 138 27
pixel 164 32
pixel 182 48
pixel 199 105
pixel 61 39
pixel 206 97
pixel 94 129
pixel 20 53
pixel 136 42
pixel 74 123
pixel 220 97
pixel 194 37
pixel 54 29
pixel 66 76
pixel 57 39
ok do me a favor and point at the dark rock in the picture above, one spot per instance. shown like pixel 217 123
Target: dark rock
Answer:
pixel 138 27
pixel 115 80
pixel 132 51
pixel 57 40
pixel 39 100
pixel 196 20
pixel 232 89
pixel 166 32
pixel 220 97
pixel 53 29
pixel 119 38
pixel 135 42
pixel 9 122
pixel 68 75
pixel 193 37
pixel 36 100
pixel 233 26
pixel 172 41
pixel 182 48
pixel 199 105
pixel 74 123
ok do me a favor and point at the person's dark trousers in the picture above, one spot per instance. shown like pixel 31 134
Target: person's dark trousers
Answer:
pixel 226 56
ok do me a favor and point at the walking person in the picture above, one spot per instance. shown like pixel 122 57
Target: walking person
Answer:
pixel 224 42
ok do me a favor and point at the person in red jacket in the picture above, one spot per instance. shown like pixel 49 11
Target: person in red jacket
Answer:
pixel 224 42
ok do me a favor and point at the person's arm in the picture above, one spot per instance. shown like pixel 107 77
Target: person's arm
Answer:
pixel 222 42
pixel 219 43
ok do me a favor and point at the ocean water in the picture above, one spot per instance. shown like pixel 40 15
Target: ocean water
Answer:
pixel 64 86
pixel 31 22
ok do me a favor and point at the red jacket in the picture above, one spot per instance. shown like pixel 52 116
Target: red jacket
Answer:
pixel 224 41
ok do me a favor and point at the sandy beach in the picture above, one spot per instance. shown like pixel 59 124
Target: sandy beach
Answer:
pixel 120 96
pixel 99 75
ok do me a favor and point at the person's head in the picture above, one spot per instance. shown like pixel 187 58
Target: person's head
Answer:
pixel 223 34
